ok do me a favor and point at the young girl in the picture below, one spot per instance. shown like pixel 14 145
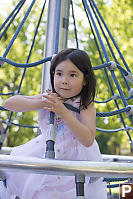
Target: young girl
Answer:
pixel 73 82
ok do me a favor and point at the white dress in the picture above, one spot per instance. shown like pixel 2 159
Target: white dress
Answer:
pixel 67 147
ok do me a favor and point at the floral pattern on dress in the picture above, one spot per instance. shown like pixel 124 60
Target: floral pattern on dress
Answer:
pixel 59 125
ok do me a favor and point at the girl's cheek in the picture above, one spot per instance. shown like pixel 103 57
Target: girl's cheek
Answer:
pixel 56 83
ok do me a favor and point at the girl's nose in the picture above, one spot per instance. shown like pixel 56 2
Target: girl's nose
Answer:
pixel 65 80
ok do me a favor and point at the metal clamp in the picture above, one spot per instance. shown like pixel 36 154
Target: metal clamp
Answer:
pixel 129 77
pixel 115 96
pixel 131 110
pixel 131 92
pixel 8 123
pixel 16 92
pixel 112 65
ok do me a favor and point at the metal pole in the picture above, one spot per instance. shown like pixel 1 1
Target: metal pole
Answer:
pixel 65 167
pixel 65 10
pixel 50 36
pixel 49 43
pixel 80 180
pixel 53 40
pixel 49 50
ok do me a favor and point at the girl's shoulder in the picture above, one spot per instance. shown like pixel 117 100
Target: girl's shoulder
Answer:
pixel 90 111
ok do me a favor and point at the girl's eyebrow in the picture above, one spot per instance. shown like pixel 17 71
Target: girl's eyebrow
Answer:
pixel 58 70
pixel 71 71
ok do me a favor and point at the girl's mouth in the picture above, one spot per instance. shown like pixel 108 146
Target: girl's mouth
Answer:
pixel 65 89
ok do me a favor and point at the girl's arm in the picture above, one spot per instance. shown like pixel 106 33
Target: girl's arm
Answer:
pixel 20 103
pixel 85 129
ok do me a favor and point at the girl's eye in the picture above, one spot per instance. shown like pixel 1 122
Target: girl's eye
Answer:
pixel 73 75
pixel 58 74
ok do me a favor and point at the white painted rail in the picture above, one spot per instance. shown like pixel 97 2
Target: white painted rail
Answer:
pixel 64 167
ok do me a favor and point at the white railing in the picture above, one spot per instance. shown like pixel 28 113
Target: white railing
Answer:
pixel 64 167
pixel 117 158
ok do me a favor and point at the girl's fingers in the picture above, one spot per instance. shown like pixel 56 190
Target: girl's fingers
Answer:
pixel 60 99
pixel 49 109
pixel 49 103
pixel 48 91
pixel 52 94
pixel 53 97
pixel 49 98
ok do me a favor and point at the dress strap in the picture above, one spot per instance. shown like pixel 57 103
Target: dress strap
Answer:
pixel 72 108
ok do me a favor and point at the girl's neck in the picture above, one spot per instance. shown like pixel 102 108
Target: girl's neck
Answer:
pixel 72 98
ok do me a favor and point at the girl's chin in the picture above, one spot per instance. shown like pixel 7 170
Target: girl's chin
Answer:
pixel 66 97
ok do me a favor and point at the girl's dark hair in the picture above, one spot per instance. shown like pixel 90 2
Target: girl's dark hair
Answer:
pixel 82 61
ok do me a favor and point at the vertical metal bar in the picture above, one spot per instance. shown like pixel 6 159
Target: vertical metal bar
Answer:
pixel 54 20
pixel 48 51
pixel 49 43
pixel 50 36
pixel 65 10
pixel 80 180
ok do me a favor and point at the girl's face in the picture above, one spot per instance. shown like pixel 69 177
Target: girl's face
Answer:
pixel 68 79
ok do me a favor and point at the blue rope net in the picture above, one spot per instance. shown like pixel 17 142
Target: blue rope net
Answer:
pixel 109 67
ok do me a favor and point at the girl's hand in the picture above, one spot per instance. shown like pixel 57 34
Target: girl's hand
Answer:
pixel 54 102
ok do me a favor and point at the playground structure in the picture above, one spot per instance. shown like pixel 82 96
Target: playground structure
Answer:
pixel 55 41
